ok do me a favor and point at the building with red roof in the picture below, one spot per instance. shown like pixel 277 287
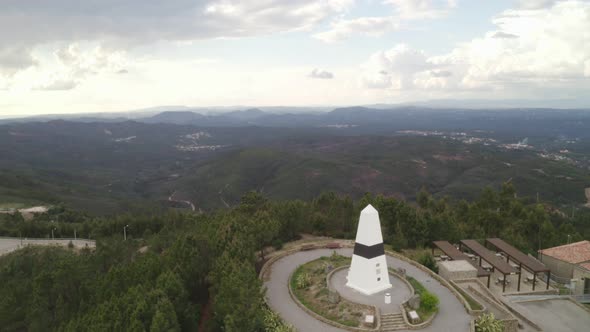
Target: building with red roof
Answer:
pixel 570 262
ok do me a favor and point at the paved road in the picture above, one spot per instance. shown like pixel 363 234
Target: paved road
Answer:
pixel 8 245
pixel 452 317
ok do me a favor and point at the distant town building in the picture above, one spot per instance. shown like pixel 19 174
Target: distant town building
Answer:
pixel 368 271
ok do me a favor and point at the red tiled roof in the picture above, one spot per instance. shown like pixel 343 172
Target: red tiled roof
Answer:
pixel 574 253
pixel 585 265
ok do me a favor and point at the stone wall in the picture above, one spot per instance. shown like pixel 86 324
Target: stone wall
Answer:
pixel 453 270
pixel 558 267
pixel 579 278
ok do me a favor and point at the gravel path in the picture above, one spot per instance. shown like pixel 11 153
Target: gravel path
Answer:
pixel 451 317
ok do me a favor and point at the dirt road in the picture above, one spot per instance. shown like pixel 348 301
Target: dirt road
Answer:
pixel 189 203
pixel 8 245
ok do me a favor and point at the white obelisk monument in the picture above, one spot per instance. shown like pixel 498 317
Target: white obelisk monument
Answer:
pixel 368 271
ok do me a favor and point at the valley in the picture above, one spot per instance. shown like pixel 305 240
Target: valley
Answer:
pixel 110 167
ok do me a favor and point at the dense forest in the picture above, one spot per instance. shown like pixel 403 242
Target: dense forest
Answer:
pixel 182 272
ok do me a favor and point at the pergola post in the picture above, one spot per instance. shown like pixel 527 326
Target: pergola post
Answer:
pixel 489 275
pixel 534 280
pixel 504 284
pixel 548 278
pixel 519 274
pixel 479 260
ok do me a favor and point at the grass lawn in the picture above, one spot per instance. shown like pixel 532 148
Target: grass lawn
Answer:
pixel 415 254
pixel 428 307
pixel 472 303
pixel 309 286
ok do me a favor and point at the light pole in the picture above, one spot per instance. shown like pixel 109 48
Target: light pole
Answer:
pixel 125 232
pixel 53 229
pixel 75 237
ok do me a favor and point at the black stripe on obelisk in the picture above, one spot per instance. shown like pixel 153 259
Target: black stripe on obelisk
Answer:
pixel 369 252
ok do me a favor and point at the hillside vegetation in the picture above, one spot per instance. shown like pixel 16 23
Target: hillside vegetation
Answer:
pixel 106 168
pixel 190 264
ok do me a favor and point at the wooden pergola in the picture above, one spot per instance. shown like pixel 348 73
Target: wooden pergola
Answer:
pixel 490 257
pixel 529 263
pixel 456 255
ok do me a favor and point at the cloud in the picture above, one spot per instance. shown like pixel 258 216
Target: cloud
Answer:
pixel 76 64
pixel 57 85
pixel 367 26
pixel 15 58
pixel 395 68
pixel 535 4
pixel 146 21
pixel 549 53
pixel 501 34
pixel 321 74
pixel 441 73
pixel 120 24
pixel 422 9
pixel 403 10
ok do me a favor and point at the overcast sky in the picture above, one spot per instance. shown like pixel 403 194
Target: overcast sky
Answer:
pixel 67 56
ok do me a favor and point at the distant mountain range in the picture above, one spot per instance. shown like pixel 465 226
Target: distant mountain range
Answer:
pixel 359 119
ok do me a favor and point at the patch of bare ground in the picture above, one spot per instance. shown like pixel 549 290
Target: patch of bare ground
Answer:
pixel 445 158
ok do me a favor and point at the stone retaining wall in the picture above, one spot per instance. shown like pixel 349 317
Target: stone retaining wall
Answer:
pixel 520 316
pixel 326 320
pixel 349 244
pixel 510 324
pixel 377 311
pixel 403 310
pixel 549 291
pixel 440 279
pixel 471 311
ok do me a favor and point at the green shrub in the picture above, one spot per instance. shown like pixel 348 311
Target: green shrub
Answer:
pixel 488 323
pixel 427 260
pixel 277 244
pixel 303 280
pixel 428 301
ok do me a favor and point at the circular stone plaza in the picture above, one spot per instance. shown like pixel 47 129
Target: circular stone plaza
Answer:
pixel 452 315
pixel 374 279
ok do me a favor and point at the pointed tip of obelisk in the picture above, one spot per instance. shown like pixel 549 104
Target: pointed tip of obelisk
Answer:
pixel 369 209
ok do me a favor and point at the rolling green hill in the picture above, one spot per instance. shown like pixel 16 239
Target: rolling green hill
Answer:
pixel 396 166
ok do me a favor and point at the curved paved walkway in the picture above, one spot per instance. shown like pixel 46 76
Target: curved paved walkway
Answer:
pixel 451 317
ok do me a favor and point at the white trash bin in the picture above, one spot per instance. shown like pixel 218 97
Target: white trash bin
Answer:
pixel 387 298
